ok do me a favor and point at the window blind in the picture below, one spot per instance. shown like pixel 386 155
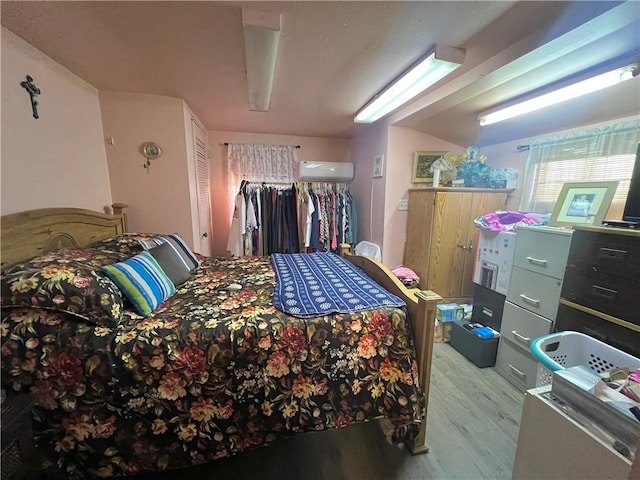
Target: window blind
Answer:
pixel 552 174
pixel 596 155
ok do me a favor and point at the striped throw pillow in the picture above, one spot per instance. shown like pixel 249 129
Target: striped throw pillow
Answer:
pixel 188 258
pixel 142 281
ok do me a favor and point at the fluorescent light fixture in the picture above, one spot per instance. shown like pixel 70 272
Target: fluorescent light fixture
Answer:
pixel 574 90
pixel 441 62
pixel 261 37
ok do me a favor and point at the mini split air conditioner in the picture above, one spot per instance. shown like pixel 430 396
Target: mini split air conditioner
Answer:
pixel 326 171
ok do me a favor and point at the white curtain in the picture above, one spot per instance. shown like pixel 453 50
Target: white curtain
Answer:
pixel 260 163
pixel 599 154
pixel 263 163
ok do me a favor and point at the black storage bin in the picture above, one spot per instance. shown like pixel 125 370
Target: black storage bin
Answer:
pixel 481 351
pixel 487 307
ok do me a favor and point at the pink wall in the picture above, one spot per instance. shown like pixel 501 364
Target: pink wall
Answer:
pixel 369 193
pixel 311 148
pixel 379 219
pixel 402 145
pixel 59 159
pixel 159 197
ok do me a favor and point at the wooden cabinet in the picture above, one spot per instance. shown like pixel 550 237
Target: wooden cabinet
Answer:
pixel 441 237
pixel 601 285
pixel 532 299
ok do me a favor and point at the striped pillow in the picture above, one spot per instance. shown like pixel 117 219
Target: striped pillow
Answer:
pixel 187 257
pixel 142 281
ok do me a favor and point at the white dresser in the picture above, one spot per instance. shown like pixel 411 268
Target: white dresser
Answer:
pixel 532 299
pixel 554 445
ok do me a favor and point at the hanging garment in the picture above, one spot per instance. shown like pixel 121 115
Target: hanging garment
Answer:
pixel 235 242
pixel 314 241
pixel 308 212
pixel 250 226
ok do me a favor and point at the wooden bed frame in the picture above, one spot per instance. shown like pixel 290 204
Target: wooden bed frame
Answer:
pixel 29 234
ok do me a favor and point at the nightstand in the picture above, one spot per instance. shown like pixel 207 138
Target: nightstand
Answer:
pixel 20 459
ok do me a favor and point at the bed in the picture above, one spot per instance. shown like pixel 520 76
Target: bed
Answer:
pixel 211 372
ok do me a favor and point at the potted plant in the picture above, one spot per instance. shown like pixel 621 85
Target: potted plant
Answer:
pixel 475 173
pixel 497 178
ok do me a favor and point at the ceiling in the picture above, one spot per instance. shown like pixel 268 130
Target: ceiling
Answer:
pixel 335 56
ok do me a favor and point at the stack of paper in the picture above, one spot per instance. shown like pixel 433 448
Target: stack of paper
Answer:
pixel 586 392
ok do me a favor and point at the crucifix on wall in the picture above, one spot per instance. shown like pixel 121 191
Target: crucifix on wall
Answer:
pixel 33 92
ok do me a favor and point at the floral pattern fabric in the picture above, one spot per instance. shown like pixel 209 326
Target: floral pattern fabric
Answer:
pixel 125 243
pixel 68 281
pixel 210 373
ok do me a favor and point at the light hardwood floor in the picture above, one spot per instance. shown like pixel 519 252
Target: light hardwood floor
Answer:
pixel 472 430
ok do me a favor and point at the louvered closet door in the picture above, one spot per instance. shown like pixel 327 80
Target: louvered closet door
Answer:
pixel 200 148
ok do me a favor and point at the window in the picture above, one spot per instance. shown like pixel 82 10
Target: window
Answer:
pixel 589 156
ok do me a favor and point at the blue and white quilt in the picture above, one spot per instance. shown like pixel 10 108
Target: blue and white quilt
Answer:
pixel 316 284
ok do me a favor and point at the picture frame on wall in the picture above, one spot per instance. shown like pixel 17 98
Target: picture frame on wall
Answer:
pixel 583 203
pixel 421 165
pixel 378 166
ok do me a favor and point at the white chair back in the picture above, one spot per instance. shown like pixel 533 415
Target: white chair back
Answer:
pixel 368 249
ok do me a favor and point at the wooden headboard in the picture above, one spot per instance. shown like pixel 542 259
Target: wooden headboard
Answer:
pixel 28 234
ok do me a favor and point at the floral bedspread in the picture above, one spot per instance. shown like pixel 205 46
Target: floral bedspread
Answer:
pixel 210 373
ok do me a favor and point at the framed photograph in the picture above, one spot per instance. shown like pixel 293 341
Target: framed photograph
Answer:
pixel 421 165
pixel 583 203
pixel 378 166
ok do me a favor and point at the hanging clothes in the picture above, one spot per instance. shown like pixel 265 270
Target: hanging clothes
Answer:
pixel 290 219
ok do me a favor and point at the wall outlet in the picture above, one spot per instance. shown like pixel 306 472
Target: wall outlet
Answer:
pixel 404 204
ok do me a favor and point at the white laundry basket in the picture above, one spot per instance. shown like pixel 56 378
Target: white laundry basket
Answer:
pixel 569 349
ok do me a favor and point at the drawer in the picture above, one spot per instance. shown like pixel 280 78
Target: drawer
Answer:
pixel 534 292
pixel 521 326
pixel 617 255
pixel 613 295
pixel 542 250
pixel 487 307
pixel 610 333
pixel 517 366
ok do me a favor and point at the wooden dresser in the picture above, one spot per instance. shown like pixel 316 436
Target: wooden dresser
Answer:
pixel 532 299
pixel 441 236
pixel 601 290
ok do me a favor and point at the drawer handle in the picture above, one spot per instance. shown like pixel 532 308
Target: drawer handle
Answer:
pixel 461 246
pixel 487 312
pixel 612 254
pixel 606 293
pixel 518 372
pixel 520 337
pixel 530 300
pixel 537 261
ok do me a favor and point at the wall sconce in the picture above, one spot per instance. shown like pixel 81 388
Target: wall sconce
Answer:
pixel 261 38
pixel 577 89
pixel 439 63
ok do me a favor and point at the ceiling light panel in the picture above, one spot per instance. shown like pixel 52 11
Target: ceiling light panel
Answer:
pixel 593 84
pixel 261 39
pixel 437 65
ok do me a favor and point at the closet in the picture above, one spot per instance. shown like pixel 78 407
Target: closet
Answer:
pixel 441 236
pixel 200 154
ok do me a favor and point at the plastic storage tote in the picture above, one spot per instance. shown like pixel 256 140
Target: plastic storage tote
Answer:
pixel 569 349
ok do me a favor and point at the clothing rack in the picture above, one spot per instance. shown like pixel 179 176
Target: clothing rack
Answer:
pixel 291 217
pixel 227 144
pixel 338 187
